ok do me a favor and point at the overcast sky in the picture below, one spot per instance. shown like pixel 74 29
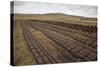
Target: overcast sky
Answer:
pixel 23 7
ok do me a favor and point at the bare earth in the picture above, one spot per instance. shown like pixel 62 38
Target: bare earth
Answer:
pixel 54 38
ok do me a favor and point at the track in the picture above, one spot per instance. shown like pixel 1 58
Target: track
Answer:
pixel 76 49
pixel 41 55
pixel 75 35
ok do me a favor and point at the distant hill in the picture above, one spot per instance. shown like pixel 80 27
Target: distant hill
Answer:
pixel 56 14
pixel 61 17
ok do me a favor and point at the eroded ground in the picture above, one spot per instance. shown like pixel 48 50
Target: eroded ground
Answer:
pixel 46 42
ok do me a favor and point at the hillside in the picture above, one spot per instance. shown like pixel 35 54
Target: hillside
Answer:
pixel 58 17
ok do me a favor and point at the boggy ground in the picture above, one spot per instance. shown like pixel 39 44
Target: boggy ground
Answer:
pixel 81 34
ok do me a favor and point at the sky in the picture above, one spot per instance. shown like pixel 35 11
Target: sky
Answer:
pixel 22 7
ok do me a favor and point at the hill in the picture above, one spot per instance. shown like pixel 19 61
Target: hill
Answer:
pixel 58 17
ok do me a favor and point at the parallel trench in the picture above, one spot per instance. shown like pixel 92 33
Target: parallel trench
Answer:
pixel 56 46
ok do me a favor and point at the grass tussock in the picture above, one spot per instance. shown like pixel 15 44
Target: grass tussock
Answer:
pixel 22 53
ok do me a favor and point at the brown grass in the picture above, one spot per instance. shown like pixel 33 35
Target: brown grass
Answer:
pixel 53 48
pixel 22 53
pixel 58 17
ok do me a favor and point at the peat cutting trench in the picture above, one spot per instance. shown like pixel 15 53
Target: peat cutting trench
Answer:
pixel 66 44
